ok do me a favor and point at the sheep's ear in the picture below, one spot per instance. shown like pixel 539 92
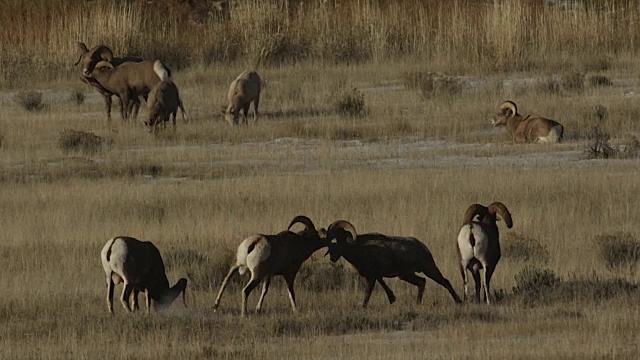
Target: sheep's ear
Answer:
pixel 322 233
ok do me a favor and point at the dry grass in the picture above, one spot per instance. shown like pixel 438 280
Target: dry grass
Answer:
pixel 410 166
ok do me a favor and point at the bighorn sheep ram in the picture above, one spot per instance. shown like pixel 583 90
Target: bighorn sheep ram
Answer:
pixel 527 129
pixel 88 60
pixel 164 99
pixel 244 90
pixel 129 80
pixel 376 256
pixel 479 244
pixel 139 266
pixel 270 255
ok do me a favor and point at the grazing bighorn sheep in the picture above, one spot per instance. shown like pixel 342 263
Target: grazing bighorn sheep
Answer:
pixel 164 99
pixel 88 60
pixel 527 129
pixel 129 80
pixel 244 90
pixel 479 244
pixel 376 256
pixel 139 266
pixel 270 255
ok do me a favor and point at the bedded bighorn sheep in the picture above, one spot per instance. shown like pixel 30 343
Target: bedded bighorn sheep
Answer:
pixel 527 129
pixel 129 80
pixel 244 90
pixel 265 256
pixel 479 244
pixel 376 256
pixel 139 266
pixel 88 60
pixel 164 99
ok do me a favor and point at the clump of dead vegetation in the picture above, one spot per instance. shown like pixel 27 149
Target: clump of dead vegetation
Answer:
pixel 431 84
pixel 521 247
pixel 598 140
pixel 29 100
pixel 619 251
pixel 77 97
pixel 350 102
pixel 77 141
pixel 536 286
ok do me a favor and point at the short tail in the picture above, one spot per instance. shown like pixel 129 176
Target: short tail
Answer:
pixel 184 114
pixel 472 239
pixel 162 71
pixel 556 133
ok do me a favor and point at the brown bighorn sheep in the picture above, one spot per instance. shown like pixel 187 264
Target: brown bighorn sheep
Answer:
pixel 139 266
pixel 527 129
pixel 88 60
pixel 244 90
pixel 376 256
pixel 479 244
pixel 164 99
pixel 129 80
pixel 270 255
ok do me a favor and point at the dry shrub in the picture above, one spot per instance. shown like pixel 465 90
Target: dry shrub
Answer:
pixel 285 48
pixel 535 283
pixel 619 251
pixel 600 80
pixel 573 81
pixel 29 100
pixel 597 64
pixel 598 146
pixel 521 247
pixel 350 102
pixel 550 85
pixel 71 140
pixel 77 97
pixel 431 84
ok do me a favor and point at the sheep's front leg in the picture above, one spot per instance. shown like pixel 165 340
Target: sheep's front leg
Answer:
pixel 387 290
pixel 371 282
pixel 292 295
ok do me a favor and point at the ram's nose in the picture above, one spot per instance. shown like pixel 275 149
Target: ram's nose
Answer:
pixel 86 73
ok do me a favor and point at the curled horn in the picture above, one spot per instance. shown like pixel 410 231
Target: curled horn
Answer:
pixel 104 64
pixel 509 105
pixel 345 226
pixel 104 52
pixel 472 211
pixel 500 209
pixel 308 224
pixel 83 49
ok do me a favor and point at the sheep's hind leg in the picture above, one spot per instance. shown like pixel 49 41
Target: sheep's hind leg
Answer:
pixel 417 281
pixel 247 291
pixel 110 286
pixel 224 285
pixel 434 274
pixel 292 295
pixel 126 294
pixel 265 288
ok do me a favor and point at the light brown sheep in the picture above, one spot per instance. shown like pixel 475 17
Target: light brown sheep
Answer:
pixel 164 99
pixel 88 60
pixel 244 90
pixel 139 266
pixel 527 129
pixel 479 244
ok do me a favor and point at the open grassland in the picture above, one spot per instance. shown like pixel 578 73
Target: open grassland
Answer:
pixel 420 151
pixel 410 166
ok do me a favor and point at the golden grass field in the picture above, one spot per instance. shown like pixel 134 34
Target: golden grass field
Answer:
pixel 411 165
